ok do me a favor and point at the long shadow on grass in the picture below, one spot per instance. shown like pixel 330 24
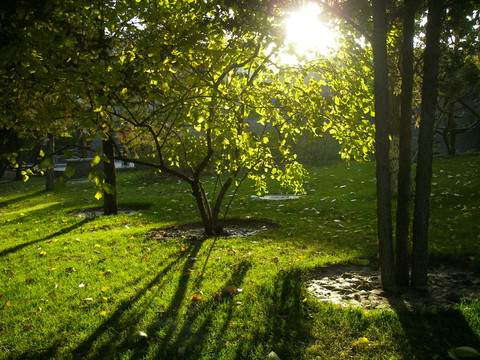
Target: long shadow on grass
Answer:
pixel 114 321
pixel 431 332
pixel 287 325
pixel 194 338
pixel 51 236
pixel 21 198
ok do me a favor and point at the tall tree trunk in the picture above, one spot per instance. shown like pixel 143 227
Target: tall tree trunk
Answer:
pixel 110 203
pixel 451 126
pixel 50 173
pixel 384 202
pixel 394 130
pixel 423 177
pixel 405 147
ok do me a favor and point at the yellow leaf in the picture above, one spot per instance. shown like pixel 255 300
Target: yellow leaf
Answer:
pixel 8 304
pixel 197 296
pixel 41 153
pixel 362 342
pixel 131 238
pixel 43 253
pixel 103 313
pixel 52 269
pixel 104 298
pixel 105 288
pixel 97 246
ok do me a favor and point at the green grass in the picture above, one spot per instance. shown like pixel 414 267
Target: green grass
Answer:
pixel 73 288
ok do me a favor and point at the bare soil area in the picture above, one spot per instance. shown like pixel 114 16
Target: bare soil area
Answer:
pixel 98 211
pixel 359 285
pixel 232 228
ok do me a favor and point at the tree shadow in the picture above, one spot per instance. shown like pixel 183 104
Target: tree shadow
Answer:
pixel 21 198
pixel 107 350
pixel 431 332
pixel 51 236
pixel 188 338
pixel 290 325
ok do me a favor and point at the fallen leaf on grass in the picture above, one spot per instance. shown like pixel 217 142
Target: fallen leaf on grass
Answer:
pixel 362 342
pixel 103 313
pixel 272 356
pixel 29 280
pixel 463 352
pixel 274 260
pixel 82 285
pixel 232 289
pixel 105 288
pixel 52 269
pixel 43 253
pixel 88 299
pixel 142 334
pixel 27 327
pixel 197 296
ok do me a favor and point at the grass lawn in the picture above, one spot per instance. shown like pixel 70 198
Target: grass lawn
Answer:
pixel 97 288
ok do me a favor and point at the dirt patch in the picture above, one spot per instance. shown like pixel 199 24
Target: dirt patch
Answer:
pixel 194 231
pixel 359 285
pixel 98 211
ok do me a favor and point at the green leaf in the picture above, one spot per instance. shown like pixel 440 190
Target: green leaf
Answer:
pixel 109 189
pixel 95 160
pixel 69 171
pixel 68 154
pixel 46 163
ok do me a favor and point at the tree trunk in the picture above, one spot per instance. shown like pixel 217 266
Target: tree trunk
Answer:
pixel 110 204
pixel 451 126
pixel 384 214
pixel 50 173
pixel 423 177
pixel 405 147
pixel 394 151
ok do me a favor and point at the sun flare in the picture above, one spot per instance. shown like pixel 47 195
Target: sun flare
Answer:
pixel 306 34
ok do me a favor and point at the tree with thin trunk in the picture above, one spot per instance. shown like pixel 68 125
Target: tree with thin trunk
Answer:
pixel 423 177
pixel 405 147
pixel 384 215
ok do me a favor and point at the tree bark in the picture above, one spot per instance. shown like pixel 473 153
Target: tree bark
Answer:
pixel 384 214
pixel 50 173
pixel 405 147
pixel 110 203
pixel 423 177
pixel 394 130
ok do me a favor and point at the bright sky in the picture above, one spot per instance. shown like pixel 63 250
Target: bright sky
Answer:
pixel 306 33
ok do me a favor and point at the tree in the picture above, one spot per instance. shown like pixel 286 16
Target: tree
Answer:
pixel 384 216
pixel 423 177
pixel 405 146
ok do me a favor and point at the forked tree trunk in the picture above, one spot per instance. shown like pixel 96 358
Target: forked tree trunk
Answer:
pixel 384 214
pixel 423 177
pixel 405 147
pixel 110 203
